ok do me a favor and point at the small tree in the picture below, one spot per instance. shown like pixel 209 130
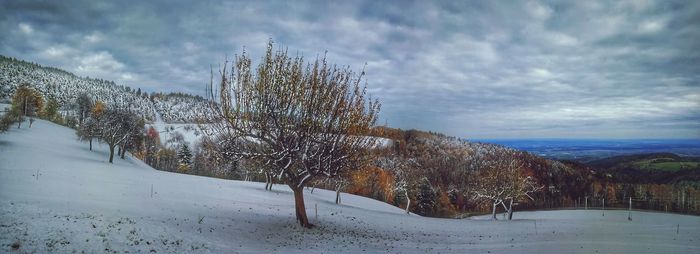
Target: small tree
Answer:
pixel 26 102
pixel 339 183
pixel 185 156
pixel 117 126
pixel 7 119
pixel 166 159
pixel 425 198
pixel 403 170
pixel 300 120
pixel 51 110
pixel 92 125
pixel 5 123
pixel 151 145
pixel 84 105
pixel 135 136
pixel 504 182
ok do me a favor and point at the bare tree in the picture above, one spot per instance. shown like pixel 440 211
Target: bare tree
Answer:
pixel 404 176
pixel 503 182
pixel 91 127
pixel 299 120
pixel 117 126
pixel 523 186
pixel 134 130
pixel 339 183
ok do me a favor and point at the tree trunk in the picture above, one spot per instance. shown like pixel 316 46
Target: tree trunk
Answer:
pixel 123 153
pixel 510 210
pixel 119 152
pixel 268 182
pixel 337 196
pixel 493 212
pixel 301 208
pixel 90 144
pixel 408 202
pixel 111 153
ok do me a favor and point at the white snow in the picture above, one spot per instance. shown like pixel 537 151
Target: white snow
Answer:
pixel 79 202
pixel 190 132
pixel 383 142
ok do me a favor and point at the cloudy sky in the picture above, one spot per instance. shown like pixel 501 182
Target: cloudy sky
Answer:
pixel 474 69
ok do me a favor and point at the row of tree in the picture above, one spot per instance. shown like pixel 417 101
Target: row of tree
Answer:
pixel 28 103
pixel 116 127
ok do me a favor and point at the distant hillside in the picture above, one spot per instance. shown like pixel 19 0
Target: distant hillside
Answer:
pixel 65 88
pixel 661 181
pixel 662 168
pixel 179 107
pixel 616 160
pixel 451 165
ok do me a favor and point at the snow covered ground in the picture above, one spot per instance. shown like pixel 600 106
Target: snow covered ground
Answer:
pixel 57 196
pixel 189 131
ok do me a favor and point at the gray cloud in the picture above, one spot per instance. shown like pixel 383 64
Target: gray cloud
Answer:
pixel 488 69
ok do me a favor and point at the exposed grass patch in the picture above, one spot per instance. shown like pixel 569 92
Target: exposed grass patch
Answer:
pixel 665 164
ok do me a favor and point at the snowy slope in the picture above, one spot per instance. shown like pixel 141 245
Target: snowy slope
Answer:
pixel 78 202
pixel 191 133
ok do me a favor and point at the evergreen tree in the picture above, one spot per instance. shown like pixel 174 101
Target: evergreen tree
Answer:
pixel 184 155
pixel 51 110
pixel 425 197
pixel 85 105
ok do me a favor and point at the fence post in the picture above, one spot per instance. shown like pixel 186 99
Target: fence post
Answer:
pixel 603 206
pixel 586 203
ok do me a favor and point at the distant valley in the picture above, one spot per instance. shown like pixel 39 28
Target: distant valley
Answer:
pixel 586 150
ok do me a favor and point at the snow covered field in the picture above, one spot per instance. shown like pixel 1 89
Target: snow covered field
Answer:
pixel 57 196
pixel 189 131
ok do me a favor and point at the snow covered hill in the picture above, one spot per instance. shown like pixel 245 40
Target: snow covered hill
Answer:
pixel 65 88
pixel 57 196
